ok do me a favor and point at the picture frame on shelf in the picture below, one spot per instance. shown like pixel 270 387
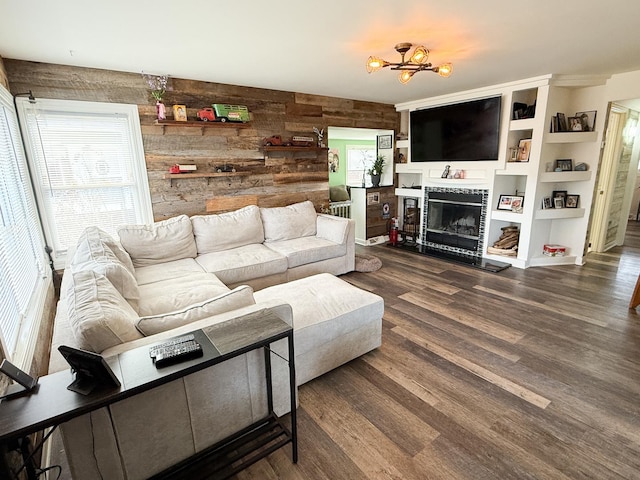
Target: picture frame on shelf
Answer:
pixel 547 203
pixel 507 202
pixel 384 141
pixel 559 194
pixel 564 165
pixel 558 202
pixel 524 150
pixel 588 120
pixel 572 201
pixel 180 113
pixel 575 125
pixel 562 122
pixel 516 204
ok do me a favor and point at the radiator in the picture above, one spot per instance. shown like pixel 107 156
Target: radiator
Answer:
pixel 340 209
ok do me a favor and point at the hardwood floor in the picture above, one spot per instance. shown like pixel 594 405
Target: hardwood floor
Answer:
pixel 523 374
pixel 517 375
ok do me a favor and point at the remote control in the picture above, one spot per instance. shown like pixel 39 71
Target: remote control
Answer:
pixel 178 353
pixel 153 351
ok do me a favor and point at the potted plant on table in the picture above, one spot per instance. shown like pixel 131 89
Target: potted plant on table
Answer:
pixel 376 170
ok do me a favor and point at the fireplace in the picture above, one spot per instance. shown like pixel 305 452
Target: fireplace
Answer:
pixel 454 220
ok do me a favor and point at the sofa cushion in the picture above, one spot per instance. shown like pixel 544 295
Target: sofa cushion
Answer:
pixel 239 297
pixel 174 294
pixel 99 316
pixel 164 241
pixel 301 251
pixel 243 263
pixel 95 243
pixel 332 228
pixel 285 223
pixel 223 231
pixel 162 271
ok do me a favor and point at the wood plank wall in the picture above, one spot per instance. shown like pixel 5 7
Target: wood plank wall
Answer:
pixel 279 180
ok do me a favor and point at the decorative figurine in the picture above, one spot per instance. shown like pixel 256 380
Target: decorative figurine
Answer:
pixel 320 134
pixel 445 174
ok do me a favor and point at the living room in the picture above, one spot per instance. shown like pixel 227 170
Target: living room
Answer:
pixel 269 180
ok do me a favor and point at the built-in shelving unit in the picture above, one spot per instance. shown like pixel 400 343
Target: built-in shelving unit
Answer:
pixel 534 178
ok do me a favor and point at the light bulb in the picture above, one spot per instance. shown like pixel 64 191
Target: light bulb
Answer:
pixel 375 63
pixel 420 55
pixel 405 76
pixel 445 70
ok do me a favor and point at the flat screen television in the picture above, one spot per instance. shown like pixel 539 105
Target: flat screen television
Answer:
pixel 467 131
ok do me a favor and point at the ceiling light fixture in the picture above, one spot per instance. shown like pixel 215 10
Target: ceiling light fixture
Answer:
pixel 419 61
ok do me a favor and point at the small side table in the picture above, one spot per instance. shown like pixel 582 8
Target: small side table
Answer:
pixel 52 404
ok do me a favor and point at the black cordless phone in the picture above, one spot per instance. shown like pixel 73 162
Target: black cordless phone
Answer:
pixel 24 379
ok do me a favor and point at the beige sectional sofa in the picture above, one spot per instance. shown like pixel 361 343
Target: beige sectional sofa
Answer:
pixel 166 279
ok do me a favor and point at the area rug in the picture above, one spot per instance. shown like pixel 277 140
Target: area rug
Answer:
pixel 367 263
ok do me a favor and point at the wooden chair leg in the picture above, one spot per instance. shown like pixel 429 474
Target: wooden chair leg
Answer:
pixel 635 298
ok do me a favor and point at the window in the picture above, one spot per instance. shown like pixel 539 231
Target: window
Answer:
pixel 88 168
pixel 359 159
pixel 25 276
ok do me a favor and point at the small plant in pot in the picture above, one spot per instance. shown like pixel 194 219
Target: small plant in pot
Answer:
pixel 376 170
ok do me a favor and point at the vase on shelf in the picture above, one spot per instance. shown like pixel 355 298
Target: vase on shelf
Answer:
pixel 375 180
pixel 160 110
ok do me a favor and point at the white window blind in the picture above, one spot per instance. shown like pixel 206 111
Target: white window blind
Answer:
pixel 88 167
pixel 24 272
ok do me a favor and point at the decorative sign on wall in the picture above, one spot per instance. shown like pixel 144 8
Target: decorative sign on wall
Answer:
pixel 386 210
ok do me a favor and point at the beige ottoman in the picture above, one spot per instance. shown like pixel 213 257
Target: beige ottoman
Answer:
pixel 333 321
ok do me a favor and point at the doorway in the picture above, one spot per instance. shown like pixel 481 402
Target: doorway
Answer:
pixel 617 177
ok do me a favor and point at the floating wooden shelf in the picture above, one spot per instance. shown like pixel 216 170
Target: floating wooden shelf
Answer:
pixel 199 124
pixel 175 176
pixel 294 149
pixel 284 149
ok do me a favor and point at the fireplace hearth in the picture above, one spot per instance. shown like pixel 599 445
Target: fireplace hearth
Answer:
pixel 453 226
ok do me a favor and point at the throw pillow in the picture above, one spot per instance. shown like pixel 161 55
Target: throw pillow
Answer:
pixel 285 223
pixel 339 193
pixel 241 296
pixel 224 231
pixel 160 242
pixel 99 316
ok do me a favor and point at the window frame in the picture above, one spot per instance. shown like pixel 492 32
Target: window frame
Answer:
pixel 21 349
pixel 142 197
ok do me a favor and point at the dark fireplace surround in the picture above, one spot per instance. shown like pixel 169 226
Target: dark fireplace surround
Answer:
pixel 454 220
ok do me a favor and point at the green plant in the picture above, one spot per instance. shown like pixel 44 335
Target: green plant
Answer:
pixel 377 167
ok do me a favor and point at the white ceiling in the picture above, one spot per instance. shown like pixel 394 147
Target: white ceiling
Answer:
pixel 322 47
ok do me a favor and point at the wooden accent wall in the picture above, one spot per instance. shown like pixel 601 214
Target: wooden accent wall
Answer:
pixel 279 180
